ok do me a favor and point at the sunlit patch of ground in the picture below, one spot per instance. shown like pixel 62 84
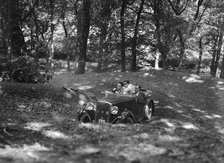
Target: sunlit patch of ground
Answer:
pixel 193 79
pixel 174 124
pixel 138 151
pixel 26 153
pixel 36 126
pixel 55 134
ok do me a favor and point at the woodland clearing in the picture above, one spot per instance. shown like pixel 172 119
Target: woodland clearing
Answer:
pixel 38 124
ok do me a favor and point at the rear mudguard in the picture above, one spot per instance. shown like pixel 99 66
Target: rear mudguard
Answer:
pixel 153 106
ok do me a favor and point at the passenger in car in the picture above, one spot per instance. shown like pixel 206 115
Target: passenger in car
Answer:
pixel 119 88
pixel 129 88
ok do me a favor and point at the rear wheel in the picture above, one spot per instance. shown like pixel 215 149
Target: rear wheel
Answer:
pixel 148 110
pixel 84 118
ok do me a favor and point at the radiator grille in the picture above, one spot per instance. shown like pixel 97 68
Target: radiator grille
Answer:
pixel 103 112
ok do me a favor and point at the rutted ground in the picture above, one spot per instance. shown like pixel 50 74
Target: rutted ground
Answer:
pixel 38 123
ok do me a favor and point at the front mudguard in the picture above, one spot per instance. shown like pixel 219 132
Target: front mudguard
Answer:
pixel 125 114
pixel 90 113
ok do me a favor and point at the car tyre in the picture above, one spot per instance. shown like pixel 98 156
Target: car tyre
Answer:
pixel 148 110
pixel 84 118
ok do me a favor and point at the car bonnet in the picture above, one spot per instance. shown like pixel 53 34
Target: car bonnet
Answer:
pixel 116 98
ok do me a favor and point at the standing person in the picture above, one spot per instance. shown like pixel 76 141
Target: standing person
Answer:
pixel 128 88
pixel 119 88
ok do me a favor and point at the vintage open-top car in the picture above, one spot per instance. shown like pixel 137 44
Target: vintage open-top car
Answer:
pixel 118 108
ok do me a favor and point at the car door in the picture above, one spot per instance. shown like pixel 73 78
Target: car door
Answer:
pixel 126 105
pixel 138 109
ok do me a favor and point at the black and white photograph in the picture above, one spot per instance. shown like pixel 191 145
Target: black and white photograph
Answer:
pixel 111 81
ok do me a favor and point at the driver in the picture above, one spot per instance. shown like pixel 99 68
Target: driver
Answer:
pixel 137 89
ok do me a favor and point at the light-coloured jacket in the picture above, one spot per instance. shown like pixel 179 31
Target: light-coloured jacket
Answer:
pixel 129 90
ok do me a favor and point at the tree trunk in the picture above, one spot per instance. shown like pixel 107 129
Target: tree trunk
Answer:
pixel 16 38
pixel 66 37
pixel 216 55
pixel 213 57
pixel 161 46
pixel 3 34
pixel 102 54
pixel 51 40
pixel 134 55
pixel 123 7
pixel 212 67
pixel 182 48
pixel 134 39
pixel 200 56
pixel 82 35
pixel 157 60
pixel 222 69
pixel 165 64
pixel 33 49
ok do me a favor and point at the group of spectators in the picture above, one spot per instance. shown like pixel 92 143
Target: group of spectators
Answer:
pixel 126 88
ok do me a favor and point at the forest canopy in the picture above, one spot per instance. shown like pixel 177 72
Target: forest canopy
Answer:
pixel 124 33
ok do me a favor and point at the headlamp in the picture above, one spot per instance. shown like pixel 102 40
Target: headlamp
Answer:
pixel 90 106
pixel 114 110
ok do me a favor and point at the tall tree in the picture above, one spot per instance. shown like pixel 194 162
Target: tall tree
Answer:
pixel 200 55
pixel 82 35
pixel 102 11
pixel 134 39
pixel 3 40
pixel 219 50
pixel 216 23
pixel 14 38
pixel 52 24
pixel 187 26
pixel 216 53
pixel 64 7
pixel 162 19
pixel 222 69
pixel 122 19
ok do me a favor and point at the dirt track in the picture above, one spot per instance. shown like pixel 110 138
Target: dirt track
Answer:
pixel 38 124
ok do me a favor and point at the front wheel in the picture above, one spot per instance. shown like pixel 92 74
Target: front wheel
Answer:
pixel 148 110
pixel 85 118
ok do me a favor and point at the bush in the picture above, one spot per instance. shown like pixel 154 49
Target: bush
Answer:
pixel 26 75
pixel 23 70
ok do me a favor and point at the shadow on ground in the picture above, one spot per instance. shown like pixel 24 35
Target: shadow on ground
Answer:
pixel 38 124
